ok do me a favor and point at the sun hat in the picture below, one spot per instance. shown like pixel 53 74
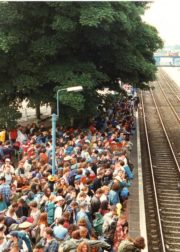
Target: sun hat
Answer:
pixel 58 198
pixel 52 178
pixel 67 158
pixel 25 225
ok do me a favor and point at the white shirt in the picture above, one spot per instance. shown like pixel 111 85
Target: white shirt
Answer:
pixel 25 248
pixel 3 245
pixel 58 212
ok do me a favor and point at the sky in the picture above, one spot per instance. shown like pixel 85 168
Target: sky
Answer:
pixel 165 16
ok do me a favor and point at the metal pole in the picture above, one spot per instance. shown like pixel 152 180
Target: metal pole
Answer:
pixel 57 99
pixel 53 143
pixel 57 102
pixel 54 119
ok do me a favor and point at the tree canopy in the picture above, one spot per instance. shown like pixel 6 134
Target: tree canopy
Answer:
pixel 45 46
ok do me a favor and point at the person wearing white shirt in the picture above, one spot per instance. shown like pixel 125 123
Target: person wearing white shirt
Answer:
pixel 3 243
pixel 59 207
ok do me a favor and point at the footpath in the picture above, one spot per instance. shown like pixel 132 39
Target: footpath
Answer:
pixel 136 207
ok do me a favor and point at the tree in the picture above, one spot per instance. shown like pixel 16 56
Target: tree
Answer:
pixel 8 117
pixel 45 46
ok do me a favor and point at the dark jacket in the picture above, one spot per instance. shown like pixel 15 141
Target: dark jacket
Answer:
pixel 51 246
pixel 95 204
pixel 128 246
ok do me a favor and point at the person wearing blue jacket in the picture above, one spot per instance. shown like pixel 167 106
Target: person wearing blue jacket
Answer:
pixel 83 215
pixel 114 194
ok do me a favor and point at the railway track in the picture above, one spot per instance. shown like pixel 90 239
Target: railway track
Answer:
pixel 169 84
pixel 161 171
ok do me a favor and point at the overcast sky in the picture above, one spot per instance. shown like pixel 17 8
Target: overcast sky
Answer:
pixel 165 16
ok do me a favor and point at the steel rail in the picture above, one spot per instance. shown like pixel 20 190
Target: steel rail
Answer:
pixel 153 179
pixel 165 132
pixel 159 218
pixel 170 104
pixel 174 92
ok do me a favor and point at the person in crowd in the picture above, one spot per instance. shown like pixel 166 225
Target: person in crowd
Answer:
pixel 109 225
pixel 130 244
pixel 83 247
pixel 38 248
pixel 39 229
pixel 5 191
pixel 22 209
pixel 59 207
pixel 83 215
pixel 114 194
pixel 59 231
pixel 82 202
pixel 3 243
pixel 121 232
pixel 95 201
pixel 15 240
pixel 34 214
pixel 73 210
pixel 48 241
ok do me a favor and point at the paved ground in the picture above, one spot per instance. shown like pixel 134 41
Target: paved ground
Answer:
pixel 29 114
pixel 133 201
pixel 136 208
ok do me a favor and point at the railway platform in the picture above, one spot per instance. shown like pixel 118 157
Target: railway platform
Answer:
pixel 136 208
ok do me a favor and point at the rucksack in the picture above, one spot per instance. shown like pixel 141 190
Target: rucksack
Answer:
pixel 127 246
pixel 23 236
pixel 50 209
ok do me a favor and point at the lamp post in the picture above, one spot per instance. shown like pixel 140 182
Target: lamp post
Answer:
pixel 54 119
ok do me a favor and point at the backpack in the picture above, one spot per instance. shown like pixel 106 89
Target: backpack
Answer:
pixel 127 246
pixel 23 236
pixel 50 209
pixel 98 223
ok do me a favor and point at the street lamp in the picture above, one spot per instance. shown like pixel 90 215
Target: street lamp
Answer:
pixel 69 89
pixel 54 118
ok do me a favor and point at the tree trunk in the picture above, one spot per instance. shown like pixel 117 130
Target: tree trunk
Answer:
pixel 38 111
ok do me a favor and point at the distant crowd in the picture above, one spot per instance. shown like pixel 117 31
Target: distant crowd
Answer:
pixel 84 206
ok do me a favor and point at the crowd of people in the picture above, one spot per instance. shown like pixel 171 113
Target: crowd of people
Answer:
pixel 83 207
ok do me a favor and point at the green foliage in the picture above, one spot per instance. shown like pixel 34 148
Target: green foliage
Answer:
pixel 8 117
pixel 25 82
pixel 64 24
pixel 94 13
pixel 46 46
pixel 76 101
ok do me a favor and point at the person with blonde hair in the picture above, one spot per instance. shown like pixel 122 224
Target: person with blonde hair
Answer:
pixel 83 232
pixel 83 247
pixel 105 193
